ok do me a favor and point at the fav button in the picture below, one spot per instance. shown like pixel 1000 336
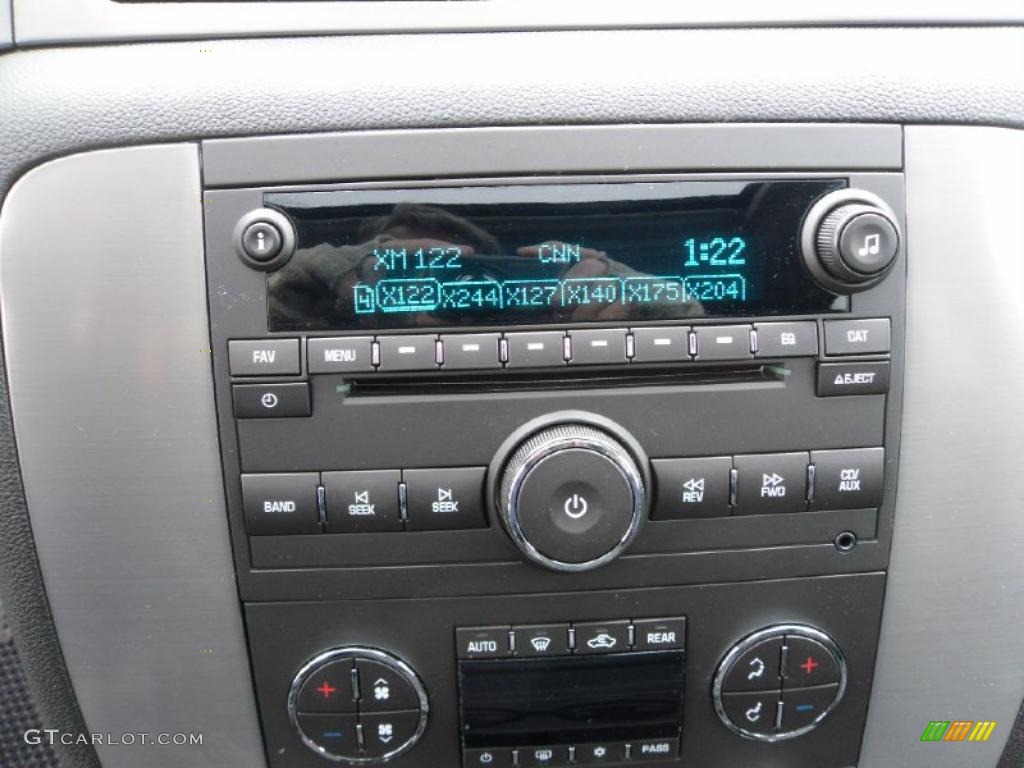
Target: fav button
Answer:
pixel 445 499
pixel 280 503
pixel 752 712
pixel 808 663
pixel 264 357
pixel 757 669
pixel 362 501
pixel 602 637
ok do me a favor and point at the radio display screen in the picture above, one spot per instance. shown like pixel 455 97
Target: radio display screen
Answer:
pixel 452 257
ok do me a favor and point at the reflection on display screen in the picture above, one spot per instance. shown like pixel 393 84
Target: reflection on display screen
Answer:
pixel 472 256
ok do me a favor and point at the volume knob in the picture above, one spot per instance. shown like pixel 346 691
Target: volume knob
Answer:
pixel 572 497
pixel 851 241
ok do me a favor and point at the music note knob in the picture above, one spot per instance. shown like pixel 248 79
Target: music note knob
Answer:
pixel 854 241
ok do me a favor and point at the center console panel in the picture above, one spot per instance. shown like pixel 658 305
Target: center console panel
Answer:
pixel 568 470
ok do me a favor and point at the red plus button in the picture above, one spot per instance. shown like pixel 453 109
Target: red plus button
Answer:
pixel 328 689
pixel 809 663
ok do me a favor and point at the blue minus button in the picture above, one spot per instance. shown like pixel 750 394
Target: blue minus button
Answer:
pixel 335 733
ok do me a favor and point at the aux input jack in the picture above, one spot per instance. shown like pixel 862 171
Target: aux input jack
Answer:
pixel 846 541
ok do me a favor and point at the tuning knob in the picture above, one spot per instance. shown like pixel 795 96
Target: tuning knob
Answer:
pixel 572 497
pixel 850 241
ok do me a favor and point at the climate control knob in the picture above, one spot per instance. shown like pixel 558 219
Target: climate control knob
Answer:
pixel 572 497
pixel 850 240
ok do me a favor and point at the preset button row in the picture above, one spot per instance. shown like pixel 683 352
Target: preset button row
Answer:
pixel 528 349
pixel 758 484
pixel 363 501
pixel 583 638
pixel 591 754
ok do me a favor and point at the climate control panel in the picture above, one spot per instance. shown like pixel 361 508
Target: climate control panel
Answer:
pixel 780 682
pixel 358 705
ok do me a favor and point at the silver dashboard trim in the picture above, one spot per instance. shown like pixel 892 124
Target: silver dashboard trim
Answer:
pixel 532 150
pixel 950 643
pixel 50 21
pixel 106 337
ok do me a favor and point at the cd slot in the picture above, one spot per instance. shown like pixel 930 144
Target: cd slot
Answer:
pixel 561 379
